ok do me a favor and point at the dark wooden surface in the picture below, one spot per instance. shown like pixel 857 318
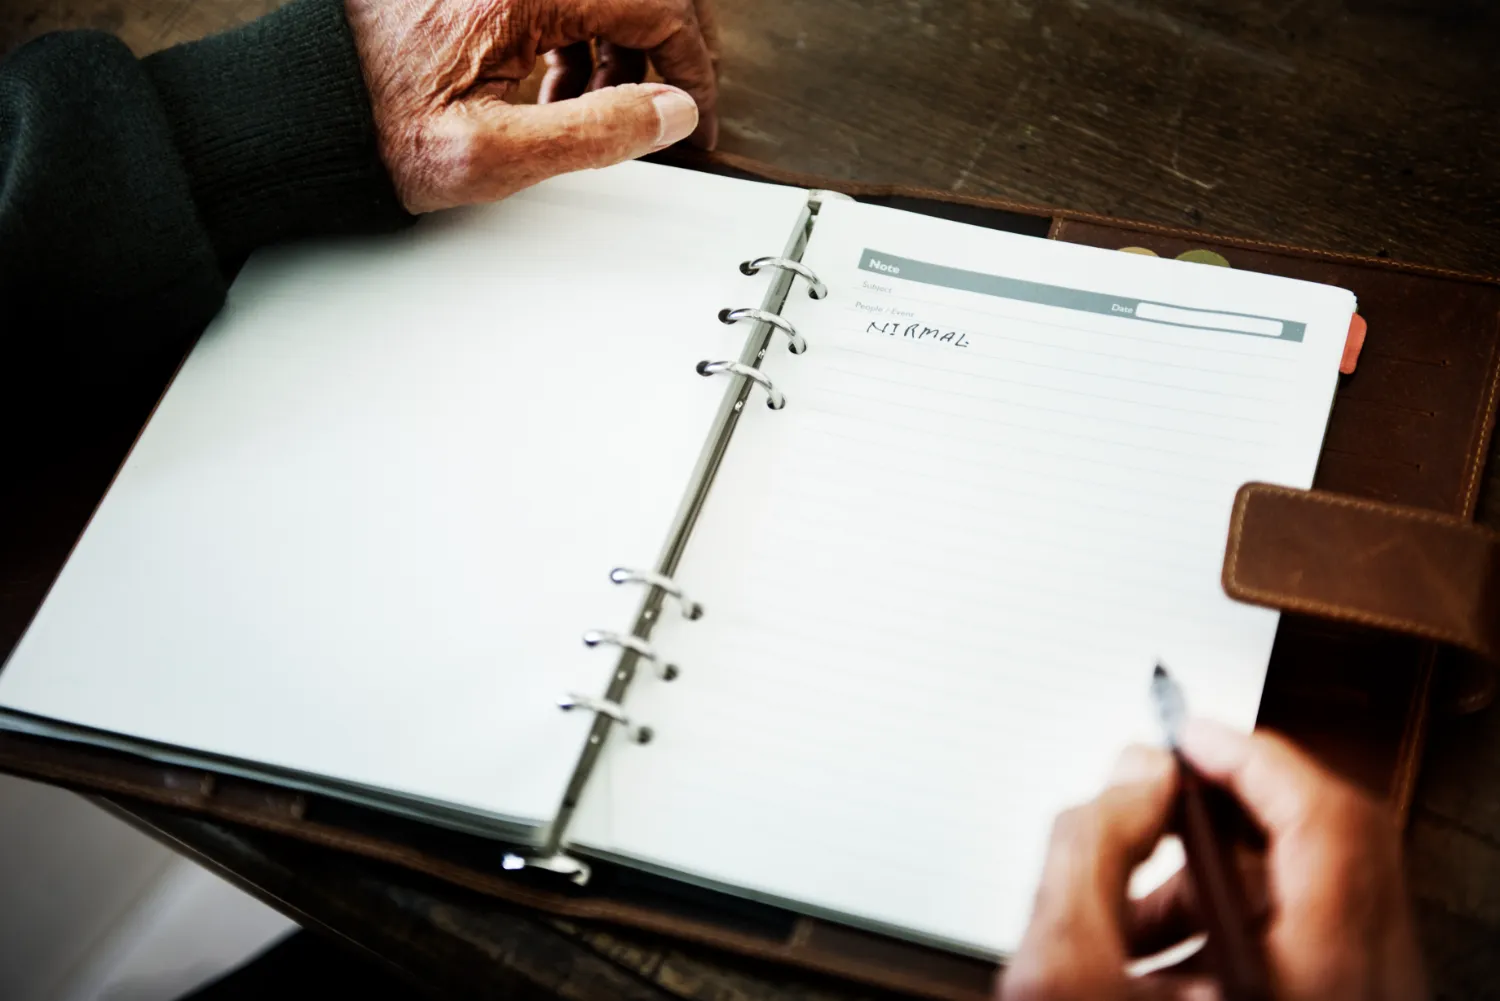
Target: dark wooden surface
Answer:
pixel 1358 125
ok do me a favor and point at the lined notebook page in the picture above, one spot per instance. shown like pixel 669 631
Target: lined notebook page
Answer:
pixel 367 525
pixel 937 582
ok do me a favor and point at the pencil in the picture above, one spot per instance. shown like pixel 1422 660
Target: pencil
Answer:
pixel 1234 948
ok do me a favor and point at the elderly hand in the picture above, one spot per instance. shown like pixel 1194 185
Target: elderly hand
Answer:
pixel 1338 924
pixel 438 72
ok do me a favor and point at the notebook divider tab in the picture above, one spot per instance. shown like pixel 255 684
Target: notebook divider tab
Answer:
pixel 635 647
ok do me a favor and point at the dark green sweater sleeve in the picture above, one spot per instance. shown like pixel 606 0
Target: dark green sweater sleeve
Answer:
pixel 131 189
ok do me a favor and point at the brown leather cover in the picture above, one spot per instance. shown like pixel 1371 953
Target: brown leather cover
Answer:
pixel 1410 428
pixel 1350 560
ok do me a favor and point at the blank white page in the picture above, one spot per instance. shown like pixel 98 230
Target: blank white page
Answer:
pixel 363 532
pixel 937 582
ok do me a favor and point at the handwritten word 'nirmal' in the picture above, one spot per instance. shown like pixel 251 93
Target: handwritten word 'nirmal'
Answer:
pixel 920 332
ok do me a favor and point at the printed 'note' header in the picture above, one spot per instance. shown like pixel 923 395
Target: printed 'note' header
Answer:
pixel 1082 301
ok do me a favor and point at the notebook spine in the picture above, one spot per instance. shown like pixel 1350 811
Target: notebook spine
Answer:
pixel 635 647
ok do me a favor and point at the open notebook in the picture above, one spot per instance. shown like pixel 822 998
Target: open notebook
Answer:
pixel 358 545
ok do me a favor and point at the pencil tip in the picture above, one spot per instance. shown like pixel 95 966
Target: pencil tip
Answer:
pixel 1160 672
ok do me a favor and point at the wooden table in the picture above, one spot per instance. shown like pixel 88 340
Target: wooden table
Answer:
pixel 1360 126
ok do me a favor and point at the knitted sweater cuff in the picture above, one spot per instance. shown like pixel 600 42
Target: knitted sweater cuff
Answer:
pixel 273 125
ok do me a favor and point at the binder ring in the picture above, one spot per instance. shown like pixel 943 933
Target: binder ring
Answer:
pixel 775 398
pixel 795 341
pixel 815 287
pixel 624 575
pixel 610 710
pixel 642 649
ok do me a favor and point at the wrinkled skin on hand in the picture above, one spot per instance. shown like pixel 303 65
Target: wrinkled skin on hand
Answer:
pixel 438 72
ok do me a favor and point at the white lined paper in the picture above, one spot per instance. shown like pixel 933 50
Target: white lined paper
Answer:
pixel 936 583
pixel 367 525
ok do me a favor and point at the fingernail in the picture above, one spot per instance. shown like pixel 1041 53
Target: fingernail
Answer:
pixel 676 115
pixel 1213 746
pixel 1138 764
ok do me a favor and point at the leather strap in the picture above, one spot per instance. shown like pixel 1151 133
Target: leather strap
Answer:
pixel 1403 569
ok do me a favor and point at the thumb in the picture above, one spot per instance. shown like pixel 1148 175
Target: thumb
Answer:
pixel 606 125
pixel 1278 783
pixel 510 147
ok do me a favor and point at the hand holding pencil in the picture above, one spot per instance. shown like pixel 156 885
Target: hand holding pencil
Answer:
pixel 1332 916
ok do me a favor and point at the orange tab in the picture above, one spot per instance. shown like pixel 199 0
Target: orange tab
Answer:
pixel 1353 343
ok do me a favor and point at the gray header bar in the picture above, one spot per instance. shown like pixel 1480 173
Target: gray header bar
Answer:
pixel 891 266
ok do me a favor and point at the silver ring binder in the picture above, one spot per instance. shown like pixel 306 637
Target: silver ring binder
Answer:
pixel 731 408
pixel 624 575
pixel 775 398
pixel 642 649
pixel 609 710
pixel 795 341
pixel 815 287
